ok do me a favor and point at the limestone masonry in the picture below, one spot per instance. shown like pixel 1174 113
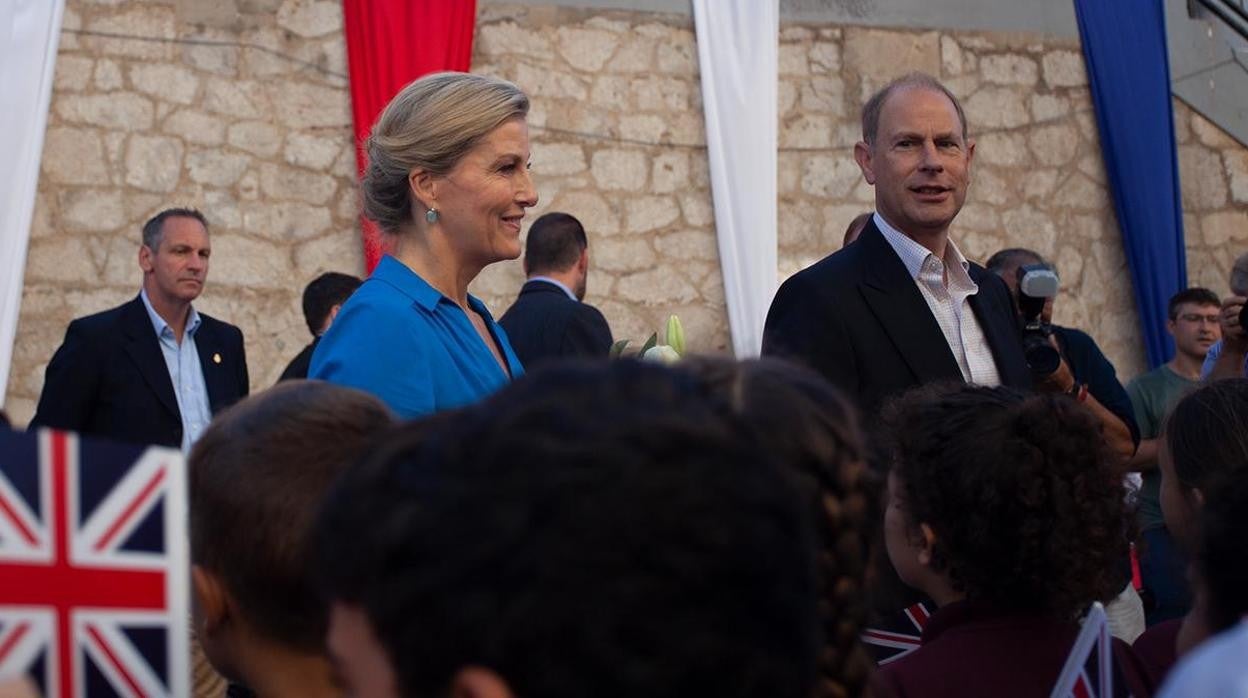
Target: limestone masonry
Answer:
pixel 241 108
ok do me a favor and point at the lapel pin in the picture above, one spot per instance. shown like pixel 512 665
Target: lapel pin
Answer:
pixel 216 358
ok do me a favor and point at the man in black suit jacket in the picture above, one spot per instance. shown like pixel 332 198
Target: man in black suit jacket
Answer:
pixel 322 298
pixel 549 320
pixel 901 306
pixel 129 373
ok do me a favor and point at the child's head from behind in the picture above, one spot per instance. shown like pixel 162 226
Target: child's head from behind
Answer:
pixel 1005 498
pixel 602 529
pixel 257 478
pixel 813 431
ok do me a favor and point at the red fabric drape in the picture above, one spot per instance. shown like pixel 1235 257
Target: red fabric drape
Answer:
pixel 389 44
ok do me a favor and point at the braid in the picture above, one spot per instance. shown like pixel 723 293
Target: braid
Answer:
pixel 815 433
pixel 850 508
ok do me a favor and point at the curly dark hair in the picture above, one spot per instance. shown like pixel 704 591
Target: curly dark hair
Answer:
pixel 814 431
pixel 1024 499
pixel 605 529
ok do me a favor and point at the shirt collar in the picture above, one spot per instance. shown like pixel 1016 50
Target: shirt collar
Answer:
pixel 409 283
pixel 913 254
pixel 555 282
pixel 158 323
pixel 967 613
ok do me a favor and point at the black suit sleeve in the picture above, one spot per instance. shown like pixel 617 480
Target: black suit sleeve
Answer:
pixel 70 383
pixel 586 334
pixel 244 381
pixel 802 327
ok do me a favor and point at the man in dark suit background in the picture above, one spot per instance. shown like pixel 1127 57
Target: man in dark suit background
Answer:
pixel 902 306
pixel 322 298
pixel 153 370
pixel 549 320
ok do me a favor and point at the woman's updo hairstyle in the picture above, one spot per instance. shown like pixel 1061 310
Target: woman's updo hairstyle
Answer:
pixel 430 125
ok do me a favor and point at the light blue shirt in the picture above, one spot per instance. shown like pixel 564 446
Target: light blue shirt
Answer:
pixel 557 283
pixel 185 373
pixel 1215 668
pixel 1212 357
pixel 400 339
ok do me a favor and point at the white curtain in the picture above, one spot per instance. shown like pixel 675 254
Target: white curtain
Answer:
pixel 738 47
pixel 29 31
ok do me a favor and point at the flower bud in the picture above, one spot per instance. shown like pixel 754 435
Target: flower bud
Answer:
pixel 661 353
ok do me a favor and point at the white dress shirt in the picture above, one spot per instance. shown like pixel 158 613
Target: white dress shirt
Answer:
pixel 947 288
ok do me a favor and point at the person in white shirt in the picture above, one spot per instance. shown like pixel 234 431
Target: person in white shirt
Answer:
pixel 903 306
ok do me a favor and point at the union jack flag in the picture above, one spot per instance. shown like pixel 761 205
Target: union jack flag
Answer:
pixel 93 566
pixel 1089 671
pixel 898 635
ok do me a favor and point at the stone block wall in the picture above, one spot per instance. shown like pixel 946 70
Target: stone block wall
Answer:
pixel 241 108
pixel 619 142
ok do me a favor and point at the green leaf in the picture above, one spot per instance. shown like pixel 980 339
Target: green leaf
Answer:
pixel 617 349
pixel 654 339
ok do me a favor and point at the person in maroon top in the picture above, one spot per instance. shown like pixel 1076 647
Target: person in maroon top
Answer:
pixel 1008 511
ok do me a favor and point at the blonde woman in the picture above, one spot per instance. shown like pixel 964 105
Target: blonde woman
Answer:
pixel 448 184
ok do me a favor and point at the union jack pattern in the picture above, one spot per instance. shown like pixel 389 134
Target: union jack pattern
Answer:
pixel 93 566
pixel 897 636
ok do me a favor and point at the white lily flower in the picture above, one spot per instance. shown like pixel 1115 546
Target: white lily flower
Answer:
pixel 662 354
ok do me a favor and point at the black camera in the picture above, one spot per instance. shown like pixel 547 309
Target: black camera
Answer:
pixel 1037 283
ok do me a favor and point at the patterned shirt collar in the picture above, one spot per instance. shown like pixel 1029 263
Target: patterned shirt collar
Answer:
pixel 913 255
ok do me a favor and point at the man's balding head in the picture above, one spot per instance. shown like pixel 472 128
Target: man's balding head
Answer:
pixel 1239 276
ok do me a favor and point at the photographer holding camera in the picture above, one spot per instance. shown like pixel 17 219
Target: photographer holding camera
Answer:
pixel 1064 359
pixel 1229 357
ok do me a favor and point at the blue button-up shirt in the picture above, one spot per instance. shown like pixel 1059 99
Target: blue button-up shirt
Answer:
pixel 400 339
pixel 1215 352
pixel 185 372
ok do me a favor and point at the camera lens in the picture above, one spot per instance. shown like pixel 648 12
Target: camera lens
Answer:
pixel 1041 357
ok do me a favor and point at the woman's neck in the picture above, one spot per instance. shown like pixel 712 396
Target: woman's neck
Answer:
pixel 427 254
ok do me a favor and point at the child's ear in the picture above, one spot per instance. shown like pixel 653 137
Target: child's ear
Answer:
pixel 210 600
pixel 927 544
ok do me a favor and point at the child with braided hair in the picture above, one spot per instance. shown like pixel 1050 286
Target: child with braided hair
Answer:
pixel 814 433
pixel 1007 510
